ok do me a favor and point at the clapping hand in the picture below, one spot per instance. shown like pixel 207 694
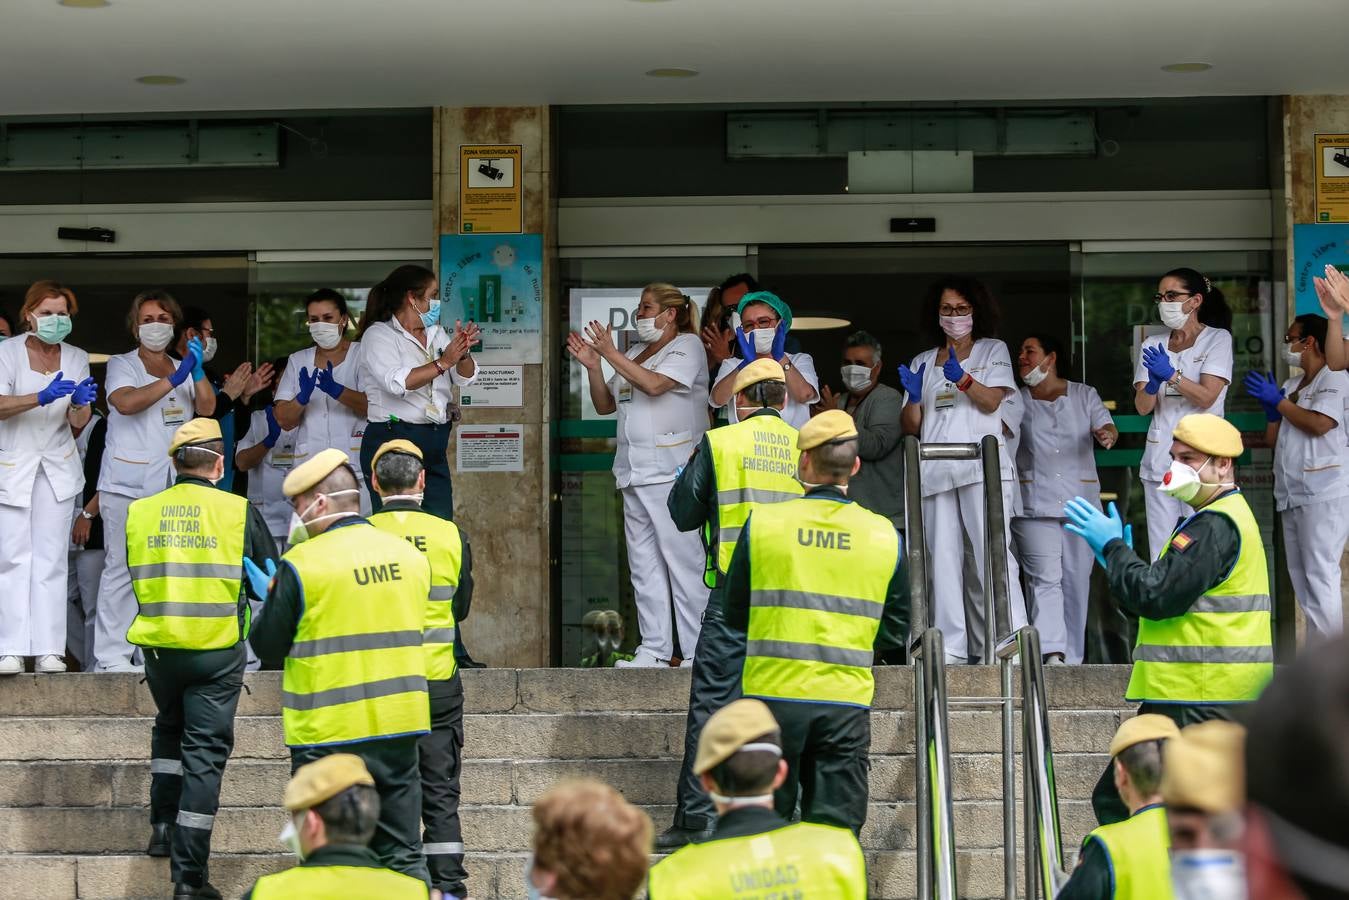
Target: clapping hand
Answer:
pixel 59 387
pixel 236 382
pixel 328 384
pixel 1105 436
pixel 1267 393
pixel 259 380
pixel 258 579
pixel 951 368
pixel 582 352
pixel 913 382
pixel 85 392
pixel 1337 285
pixel 189 364
pixel 273 428
pixel 779 348
pixel 198 367
pixel 308 381
pixel 463 341
pixel 1095 527
pixel 746 345
pixel 601 337
pixel 1158 363
pixel 718 342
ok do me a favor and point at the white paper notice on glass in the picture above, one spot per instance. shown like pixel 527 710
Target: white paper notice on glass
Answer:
pixel 490 448
pixel 495 386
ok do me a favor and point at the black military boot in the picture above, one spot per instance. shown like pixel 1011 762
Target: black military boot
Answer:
pixel 161 839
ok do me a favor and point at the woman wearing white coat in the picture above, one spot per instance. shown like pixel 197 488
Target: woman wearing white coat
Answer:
pixel 955 394
pixel 150 395
pixel 45 397
pixel 1186 371
pixel 319 396
pixel 1064 422
pixel 1311 470
pixel 659 391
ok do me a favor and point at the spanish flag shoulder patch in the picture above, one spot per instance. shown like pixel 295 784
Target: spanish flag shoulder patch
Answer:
pixel 1181 542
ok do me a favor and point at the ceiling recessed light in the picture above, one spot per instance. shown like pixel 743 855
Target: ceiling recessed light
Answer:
pixel 85 4
pixel 160 80
pixel 1183 68
pixel 672 73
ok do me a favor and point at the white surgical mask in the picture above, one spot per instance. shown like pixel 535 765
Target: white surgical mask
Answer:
pixel 530 890
pixel 299 525
pixel 1291 356
pixel 290 839
pixel 957 327
pixel 856 378
pixel 763 339
pixel 208 349
pixel 648 331
pixel 1173 313
pixel 155 336
pixel 1208 875
pixel 1034 376
pixel 326 334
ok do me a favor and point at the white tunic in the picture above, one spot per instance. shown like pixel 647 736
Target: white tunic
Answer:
pixel 1057 460
pixel 136 460
pixel 388 353
pixel 1210 355
pixel 324 422
pixel 1310 469
pixel 795 414
pixel 950 416
pixel 656 435
pixel 38 438
pixel 264 480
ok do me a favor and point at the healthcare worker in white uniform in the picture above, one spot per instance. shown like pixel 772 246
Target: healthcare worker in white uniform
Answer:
pixel 765 319
pixel 1311 470
pixel 659 390
pixel 955 393
pixel 45 396
pixel 150 396
pixel 1184 372
pixel 1065 421
pixel 319 396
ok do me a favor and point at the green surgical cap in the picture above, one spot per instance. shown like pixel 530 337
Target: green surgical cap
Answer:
pixel 771 299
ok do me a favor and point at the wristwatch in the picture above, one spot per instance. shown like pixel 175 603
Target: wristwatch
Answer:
pixel 87 515
pixel 786 364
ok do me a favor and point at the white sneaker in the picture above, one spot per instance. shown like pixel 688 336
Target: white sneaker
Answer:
pixel 642 659
pixel 51 664
pixel 686 663
pixel 10 665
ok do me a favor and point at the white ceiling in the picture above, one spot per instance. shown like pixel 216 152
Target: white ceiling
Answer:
pixel 317 54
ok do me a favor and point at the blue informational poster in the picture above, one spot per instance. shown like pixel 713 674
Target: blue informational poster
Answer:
pixel 495 280
pixel 1315 247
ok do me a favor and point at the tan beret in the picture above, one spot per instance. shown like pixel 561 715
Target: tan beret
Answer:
pixel 1203 769
pixel 1147 727
pixel 757 371
pixel 830 425
pixel 196 431
pixel 730 728
pixel 397 445
pixel 1209 434
pixel 305 476
pixel 324 779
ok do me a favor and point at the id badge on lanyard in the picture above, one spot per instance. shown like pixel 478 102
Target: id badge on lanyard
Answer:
pixel 173 413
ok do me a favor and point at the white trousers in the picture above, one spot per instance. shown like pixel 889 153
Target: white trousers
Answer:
pixel 86 569
pixel 667 571
pixel 33 567
pixel 1058 582
pixel 116 600
pixel 952 522
pixel 1164 514
pixel 1313 539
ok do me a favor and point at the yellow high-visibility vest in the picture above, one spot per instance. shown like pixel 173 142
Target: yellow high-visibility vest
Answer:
pixel 1140 855
pixel 819 573
pixel 1221 650
pixel 754 462
pixel 339 881
pixel 801 860
pixel 356 670
pixel 443 545
pixel 185 551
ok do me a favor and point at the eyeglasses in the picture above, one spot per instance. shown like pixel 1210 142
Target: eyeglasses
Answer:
pixel 1290 340
pixel 763 322
pixel 1171 296
pixel 955 310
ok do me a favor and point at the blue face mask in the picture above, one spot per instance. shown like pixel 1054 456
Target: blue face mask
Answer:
pixel 432 315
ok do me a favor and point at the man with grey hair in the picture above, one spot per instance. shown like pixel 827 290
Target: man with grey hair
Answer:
pixel 875 407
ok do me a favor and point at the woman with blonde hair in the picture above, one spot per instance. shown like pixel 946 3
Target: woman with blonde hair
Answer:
pixel 589 844
pixel 659 390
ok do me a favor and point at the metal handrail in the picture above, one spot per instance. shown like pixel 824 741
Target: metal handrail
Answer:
pixel 932 756
pixel 1044 857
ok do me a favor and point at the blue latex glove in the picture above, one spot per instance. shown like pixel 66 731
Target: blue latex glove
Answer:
pixel 273 429
pixel 1267 392
pixel 1158 364
pixel 779 349
pixel 913 382
pixel 328 384
pixel 951 368
pixel 60 387
pixel 199 370
pixel 190 362
pixel 258 579
pixel 1095 527
pixel 85 393
pixel 308 380
pixel 746 345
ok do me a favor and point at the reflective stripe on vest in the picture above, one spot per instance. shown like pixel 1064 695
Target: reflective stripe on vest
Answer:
pixel 357 670
pixel 819 573
pixel 1220 650
pixel 1139 854
pixel 339 881
pixel 185 551
pixel 443 545
pixel 753 462
pixel 801 860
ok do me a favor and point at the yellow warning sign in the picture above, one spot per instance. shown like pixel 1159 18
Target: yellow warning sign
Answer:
pixel 490 198
pixel 1332 178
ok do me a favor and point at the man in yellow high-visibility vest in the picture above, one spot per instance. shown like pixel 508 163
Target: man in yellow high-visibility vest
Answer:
pixel 1204 642
pixel 185 549
pixel 817 587
pixel 347 611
